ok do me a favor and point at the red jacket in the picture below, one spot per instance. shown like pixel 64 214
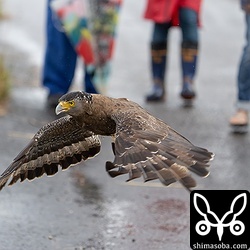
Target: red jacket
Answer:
pixel 162 11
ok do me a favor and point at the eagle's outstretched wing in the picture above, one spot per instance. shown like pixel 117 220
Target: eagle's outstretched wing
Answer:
pixel 146 146
pixel 60 143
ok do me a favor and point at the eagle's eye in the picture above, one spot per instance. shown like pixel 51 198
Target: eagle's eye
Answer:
pixel 71 103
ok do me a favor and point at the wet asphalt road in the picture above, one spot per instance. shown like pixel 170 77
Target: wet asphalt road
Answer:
pixel 83 208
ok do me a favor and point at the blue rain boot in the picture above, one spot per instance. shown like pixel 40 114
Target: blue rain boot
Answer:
pixel 158 66
pixel 188 62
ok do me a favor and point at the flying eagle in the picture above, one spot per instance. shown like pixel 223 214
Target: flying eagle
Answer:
pixel 142 144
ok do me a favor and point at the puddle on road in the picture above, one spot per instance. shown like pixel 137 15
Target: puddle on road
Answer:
pixel 112 214
pixel 134 223
pixel 89 192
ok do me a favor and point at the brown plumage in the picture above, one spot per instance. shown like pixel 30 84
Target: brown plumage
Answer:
pixel 143 145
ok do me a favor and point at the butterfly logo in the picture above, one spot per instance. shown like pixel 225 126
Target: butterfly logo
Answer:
pixel 210 219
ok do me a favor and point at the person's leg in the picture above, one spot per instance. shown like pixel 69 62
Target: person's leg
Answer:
pixel 243 80
pixel 60 59
pixel 244 73
pixel 158 61
pixel 189 50
pixel 88 81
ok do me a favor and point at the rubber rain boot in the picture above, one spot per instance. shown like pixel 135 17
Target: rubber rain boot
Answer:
pixel 188 62
pixel 158 67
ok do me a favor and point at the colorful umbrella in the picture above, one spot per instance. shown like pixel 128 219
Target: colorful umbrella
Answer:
pixel 90 26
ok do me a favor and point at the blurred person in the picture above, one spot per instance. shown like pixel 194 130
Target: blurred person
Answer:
pixel 59 62
pixel 165 14
pixel 240 118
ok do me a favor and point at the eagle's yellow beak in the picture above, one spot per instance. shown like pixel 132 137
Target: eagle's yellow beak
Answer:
pixel 62 107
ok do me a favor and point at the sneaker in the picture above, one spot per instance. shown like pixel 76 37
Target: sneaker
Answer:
pixel 240 118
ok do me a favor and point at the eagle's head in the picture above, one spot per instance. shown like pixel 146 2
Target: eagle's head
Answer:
pixel 74 103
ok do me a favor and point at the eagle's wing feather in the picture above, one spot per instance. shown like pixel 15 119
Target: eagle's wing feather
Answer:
pixel 60 143
pixel 146 146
